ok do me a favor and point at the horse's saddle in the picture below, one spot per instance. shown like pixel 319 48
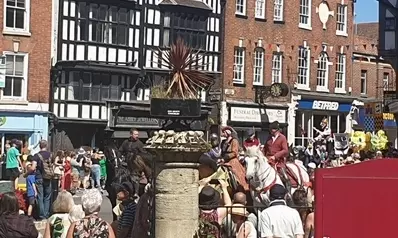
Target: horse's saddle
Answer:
pixel 291 176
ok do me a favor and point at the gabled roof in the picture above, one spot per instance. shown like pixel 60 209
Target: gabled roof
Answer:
pixel 186 3
pixel 368 30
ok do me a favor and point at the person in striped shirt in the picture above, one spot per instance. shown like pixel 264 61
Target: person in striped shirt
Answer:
pixel 126 195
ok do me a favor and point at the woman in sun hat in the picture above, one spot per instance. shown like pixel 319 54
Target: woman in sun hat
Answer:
pixel 245 228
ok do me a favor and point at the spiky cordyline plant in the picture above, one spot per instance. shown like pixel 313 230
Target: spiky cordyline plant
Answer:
pixel 186 80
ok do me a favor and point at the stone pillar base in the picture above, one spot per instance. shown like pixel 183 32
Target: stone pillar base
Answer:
pixel 176 194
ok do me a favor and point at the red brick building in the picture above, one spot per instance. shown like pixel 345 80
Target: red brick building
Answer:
pixel 25 47
pixel 307 45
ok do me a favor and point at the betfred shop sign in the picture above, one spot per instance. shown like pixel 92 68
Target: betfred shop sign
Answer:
pixel 325 105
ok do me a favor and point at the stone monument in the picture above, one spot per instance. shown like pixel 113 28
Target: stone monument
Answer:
pixel 176 181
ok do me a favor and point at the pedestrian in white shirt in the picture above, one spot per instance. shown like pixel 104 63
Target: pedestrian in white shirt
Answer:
pixel 279 220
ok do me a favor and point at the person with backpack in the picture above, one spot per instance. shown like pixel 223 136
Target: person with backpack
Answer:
pixel 44 176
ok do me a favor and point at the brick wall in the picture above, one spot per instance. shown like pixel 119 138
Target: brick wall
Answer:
pixel 289 36
pixel 38 45
pixel 366 59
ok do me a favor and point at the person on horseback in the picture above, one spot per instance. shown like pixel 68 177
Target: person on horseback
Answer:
pixel 230 156
pixel 211 157
pixel 276 150
pixel 132 144
pixel 252 140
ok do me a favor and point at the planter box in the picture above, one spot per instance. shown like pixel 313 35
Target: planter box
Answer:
pixel 175 108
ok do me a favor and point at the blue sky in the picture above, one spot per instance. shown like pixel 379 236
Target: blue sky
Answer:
pixel 367 11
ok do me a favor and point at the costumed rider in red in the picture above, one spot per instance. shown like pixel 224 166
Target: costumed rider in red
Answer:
pixel 252 140
pixel 276 150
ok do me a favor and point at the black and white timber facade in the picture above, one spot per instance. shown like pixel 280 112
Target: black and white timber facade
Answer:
pixel 106 60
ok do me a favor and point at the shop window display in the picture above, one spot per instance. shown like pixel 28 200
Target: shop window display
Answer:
pixel 307 122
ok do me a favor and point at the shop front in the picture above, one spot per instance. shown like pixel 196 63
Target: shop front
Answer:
pixel 310 113
pixel 242 119
pixel 30 128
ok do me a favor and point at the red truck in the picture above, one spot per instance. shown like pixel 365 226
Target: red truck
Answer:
pixel 357 201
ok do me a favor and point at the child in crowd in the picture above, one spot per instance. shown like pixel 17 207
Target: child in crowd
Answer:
pixel 31 185
pixel 102 163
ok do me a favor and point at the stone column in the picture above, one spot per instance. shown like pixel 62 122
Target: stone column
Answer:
pixel 176 192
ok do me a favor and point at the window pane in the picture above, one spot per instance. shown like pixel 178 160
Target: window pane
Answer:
pixel 20 18
pixel 17 87
pixel 19 65
pixel 342 123
pixel 166 21
pixel 333 124
pixel 21 3
pixel 10 17
pixel 11 3
pixel 8 88
pixel 123 15
pixel 10 65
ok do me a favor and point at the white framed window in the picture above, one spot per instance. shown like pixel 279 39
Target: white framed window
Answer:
pixel 277 68
pixel 386 79
pixel 239 65
pixel 278 10
pixel 364 76
pixel 241 7
pixel 305 14
pixel 16 76
pixel 341 20
pixel 322 75
pixel 340 74
pixel 303 72
pixel 258 74
pixel 260 9
pixel 17 17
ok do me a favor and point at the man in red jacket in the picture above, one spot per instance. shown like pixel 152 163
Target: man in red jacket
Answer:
pixel 276 150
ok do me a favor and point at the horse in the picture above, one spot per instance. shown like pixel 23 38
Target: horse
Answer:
pixel 117 173
pixel 262 176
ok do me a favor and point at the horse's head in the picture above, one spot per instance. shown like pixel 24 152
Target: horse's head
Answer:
pixel 252 151
pixel 254 165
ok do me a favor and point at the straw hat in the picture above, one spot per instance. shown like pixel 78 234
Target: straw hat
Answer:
pixel 239 210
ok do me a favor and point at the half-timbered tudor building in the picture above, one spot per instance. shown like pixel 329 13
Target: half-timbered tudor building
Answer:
pixel 106 62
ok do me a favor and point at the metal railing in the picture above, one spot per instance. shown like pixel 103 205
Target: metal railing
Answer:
pixel 228 228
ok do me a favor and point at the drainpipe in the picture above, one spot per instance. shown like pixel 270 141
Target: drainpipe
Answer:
pixel 354 33
pixel 223 104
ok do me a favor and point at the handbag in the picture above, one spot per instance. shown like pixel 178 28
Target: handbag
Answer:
pixel 58 170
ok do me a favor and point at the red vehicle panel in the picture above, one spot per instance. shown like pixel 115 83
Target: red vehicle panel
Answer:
pixel 357 201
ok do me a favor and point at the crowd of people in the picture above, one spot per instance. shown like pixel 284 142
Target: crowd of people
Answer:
pixel 51 181
pixel 222 216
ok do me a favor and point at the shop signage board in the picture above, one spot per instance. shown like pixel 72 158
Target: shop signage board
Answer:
pixel 276 115
pixel 243 114
pixel 138 121
pixel 322 105
pixel 325 105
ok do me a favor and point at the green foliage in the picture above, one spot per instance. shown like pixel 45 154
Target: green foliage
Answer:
pixel 186 78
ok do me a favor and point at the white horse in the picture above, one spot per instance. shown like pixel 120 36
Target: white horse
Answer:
pixel 262 176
